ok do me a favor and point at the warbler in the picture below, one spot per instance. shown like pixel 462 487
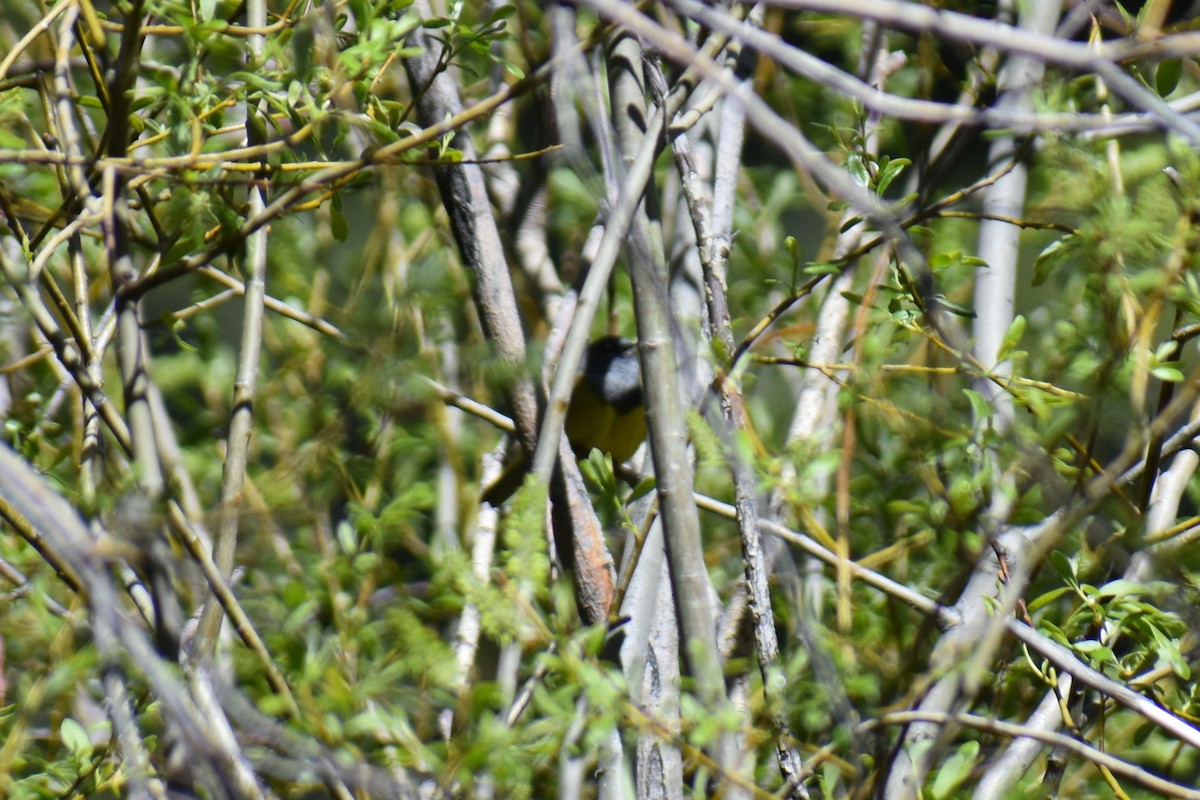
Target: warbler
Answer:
pixel 605 413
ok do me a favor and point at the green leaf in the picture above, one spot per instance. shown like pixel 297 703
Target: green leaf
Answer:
pixel 958 309
pixel 1169 653
pixel 255 80
pixel 597 470
pixel 1046 599
pixel 645 486
pixel 1143 733
pixel 177 328
pixel 503 12
pixel 1097 654
pixel 1121 588
pixel 850 223
pixel 1167 77
pixel 1167 374
pixel 511 68
pixel 857 168
pixel 1064 566
pixel 338 225
pixel 1012 338
pixel 889 172
pixel 829 779
pixel 1056 253
pixel 75 738
pixel 346 537
pixel 956 770
pixel 939 261
pixel 822 268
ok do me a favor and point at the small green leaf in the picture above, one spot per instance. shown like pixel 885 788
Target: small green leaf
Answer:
pixel 822 268
pixel 1064 566
pixel 1143 733
pixel 365 562
pixel 177 328
pixel 956 770
pixel 511 68
pixel 256 80
pixel 1167 374
pixel 1012 337
pixel 503 12
pixel 644 487
pixel 890 171
pixel 1046 599
pixel 1121 588
pixel 1052 256
pixel 1167 77
pixel 829 779
pixel 1168 652
pixel 980 407
pixel 346 537
pixel 1097 654
pixel 850 223
pixel 857 167
pixel 958 309
pixel 75 737
pixel 338 226
pixel 597 470
pixel 939 261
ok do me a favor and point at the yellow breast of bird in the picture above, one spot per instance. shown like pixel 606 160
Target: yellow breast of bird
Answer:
pixel 593 424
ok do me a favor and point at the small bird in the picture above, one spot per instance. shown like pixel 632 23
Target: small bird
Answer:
pixel 605 413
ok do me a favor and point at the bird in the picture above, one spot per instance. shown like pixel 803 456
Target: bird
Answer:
pixel 606 412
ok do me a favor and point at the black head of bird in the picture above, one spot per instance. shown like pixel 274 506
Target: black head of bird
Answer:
pixel 605 412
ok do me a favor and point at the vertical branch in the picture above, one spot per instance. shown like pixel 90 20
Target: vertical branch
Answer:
pixel 241 420
pixel 466 638
pixel 74 356
pixel 449 471
pixel 816 421
pixel 665 415
pixel 995 284
pixel 89 451
pixel 994 294
pixel 713 258
pixel 464 195
pixel 132 357
pixel 659 764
